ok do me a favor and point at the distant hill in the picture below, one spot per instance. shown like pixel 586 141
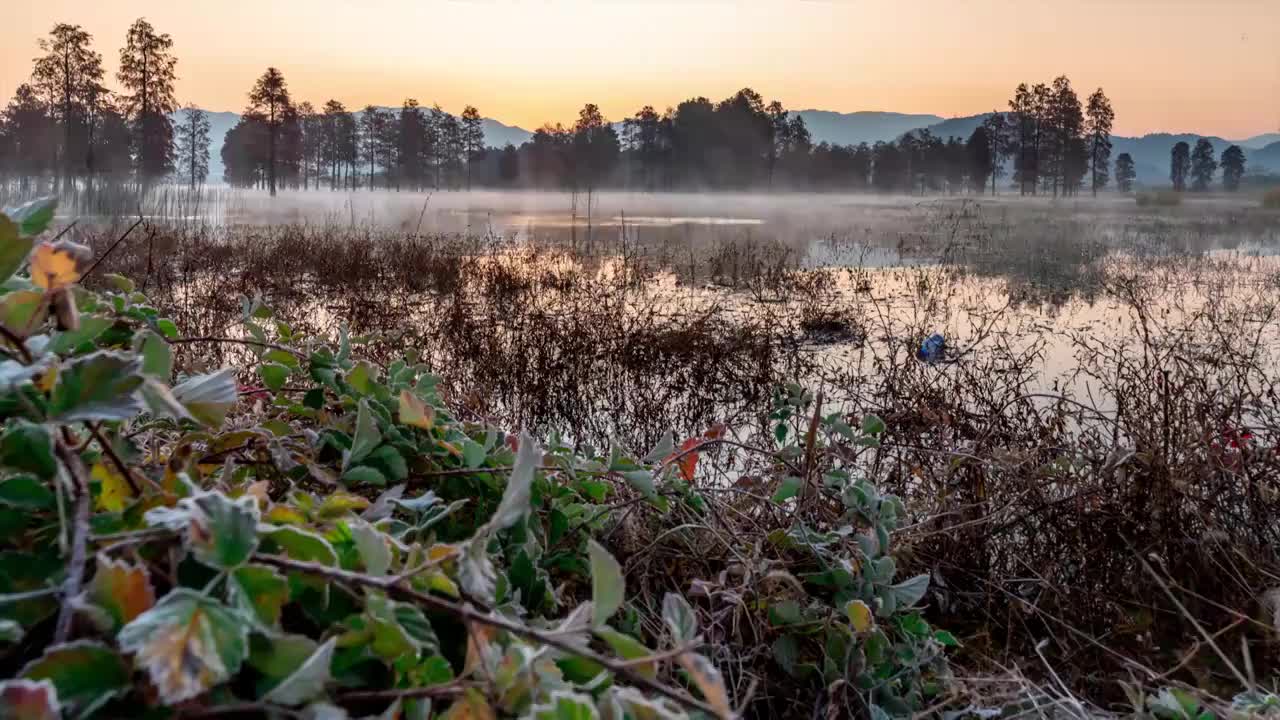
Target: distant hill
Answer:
pixel 858 127
pixel 1258 142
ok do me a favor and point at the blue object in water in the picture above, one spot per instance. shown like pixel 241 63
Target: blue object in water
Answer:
pixel 932 350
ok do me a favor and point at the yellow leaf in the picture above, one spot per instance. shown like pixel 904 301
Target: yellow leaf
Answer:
pixel 415 412
pixel 860 616
pixel 471 706
pixel 115 491
pixel 340 504
pixel 709 681
pixel 284 515
pixel 56 265
pixel 441 552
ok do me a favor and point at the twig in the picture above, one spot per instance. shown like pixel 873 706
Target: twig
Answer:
pixel 104 255
pixel 469 614
pixel 453 688
pixel 17 597
pixel 96 429
pixel 17 344
pixel 235 341
pixel 79 541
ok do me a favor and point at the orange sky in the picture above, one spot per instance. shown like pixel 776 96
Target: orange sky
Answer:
pixel 1206 66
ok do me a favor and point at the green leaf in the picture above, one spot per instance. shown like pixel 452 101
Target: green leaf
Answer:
pixel 27 492
pixel 361 377
pixel 14 248
pixel 208 397
pixel 517 495
pixel 872 425
pixel 167 328
pixel 273 375
pixel 473 453
pixel 187 644
pixel 372 547
pixel 566 705
pixel 679 618
pixel 157 356
pixel 223 533
pixel 29 700
pixel 86 674
pixel 787 489
pixel 91 326
pixel 607 584
pixel 100 386
pixel 308 681
pixel 665 448
pixel 121 283
pixel 303 545
pixel 628 648
pixel 366 437
pixel 28 447
pixel 364 475
pixel 946 639
pixel 278 655
pixel 10 632
pixel 260 591
pixel 909 592
pixel 34 217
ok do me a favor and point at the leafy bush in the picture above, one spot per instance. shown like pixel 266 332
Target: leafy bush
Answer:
pixel 332 537
pixel 1160 198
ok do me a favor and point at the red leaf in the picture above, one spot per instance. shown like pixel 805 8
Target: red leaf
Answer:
pixel 688 462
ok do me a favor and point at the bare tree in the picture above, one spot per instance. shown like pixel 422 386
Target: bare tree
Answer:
pixel 193 145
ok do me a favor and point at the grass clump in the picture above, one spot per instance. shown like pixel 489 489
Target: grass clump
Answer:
pixel 1271 199
pixel 1159 198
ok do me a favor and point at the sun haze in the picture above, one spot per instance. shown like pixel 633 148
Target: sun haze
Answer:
pixel 1168 65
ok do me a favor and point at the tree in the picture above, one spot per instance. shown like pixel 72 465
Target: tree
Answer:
pixel 1065 150
pixel 595 148
pixel 1000 142
pixel 472 137
pixel 411 145
pixel 372 127
pixel 69 75
pixel 979 155
pixel 1125 172
pixel 147 74
pixel 1180 165
pixel 193 145
pixel 1097 130
pixel 1029 111
pixel 269 100
pixel 1232 168
pixel 29 137
pixel 1203 165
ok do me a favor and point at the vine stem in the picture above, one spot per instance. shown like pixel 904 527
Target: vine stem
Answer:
pixel 468 613
pixel 79 541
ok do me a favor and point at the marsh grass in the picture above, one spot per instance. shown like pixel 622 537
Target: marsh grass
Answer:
pixel 1036 494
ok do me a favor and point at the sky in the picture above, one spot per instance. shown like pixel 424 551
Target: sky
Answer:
pixel 1204 66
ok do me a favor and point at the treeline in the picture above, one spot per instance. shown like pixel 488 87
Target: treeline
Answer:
pixel 1051 143
pixel 1199 166
pixel 65 127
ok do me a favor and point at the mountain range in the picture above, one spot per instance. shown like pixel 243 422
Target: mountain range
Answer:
pixel 1150 152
